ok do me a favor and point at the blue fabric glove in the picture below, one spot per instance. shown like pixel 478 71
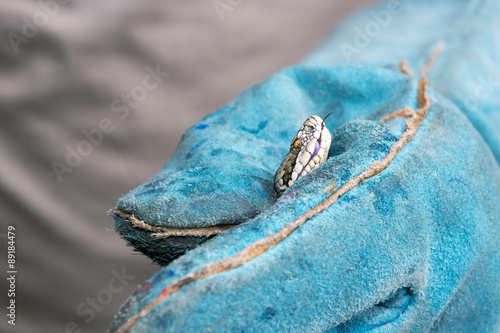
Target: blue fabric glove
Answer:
pixel 411 249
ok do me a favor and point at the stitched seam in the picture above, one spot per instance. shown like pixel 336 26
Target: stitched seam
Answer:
pixel 165 232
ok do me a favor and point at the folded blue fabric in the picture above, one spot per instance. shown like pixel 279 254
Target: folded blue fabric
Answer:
pixel 411 249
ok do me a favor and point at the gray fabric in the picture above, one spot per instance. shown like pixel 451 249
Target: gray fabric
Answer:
pixel 64 80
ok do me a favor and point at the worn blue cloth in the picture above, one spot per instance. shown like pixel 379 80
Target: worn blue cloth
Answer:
pixel 412 249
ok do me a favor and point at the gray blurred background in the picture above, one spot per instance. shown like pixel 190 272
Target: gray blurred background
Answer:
pixel 64 68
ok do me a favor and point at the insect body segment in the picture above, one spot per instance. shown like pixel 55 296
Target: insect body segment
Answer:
pixel 309 149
